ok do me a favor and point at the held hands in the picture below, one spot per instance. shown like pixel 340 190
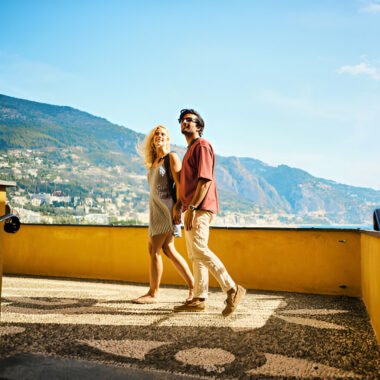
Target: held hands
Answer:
pixel 177 213
pixel 176 216
pixel 189 219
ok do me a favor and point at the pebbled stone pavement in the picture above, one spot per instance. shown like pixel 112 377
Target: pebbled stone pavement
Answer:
pixel 60 328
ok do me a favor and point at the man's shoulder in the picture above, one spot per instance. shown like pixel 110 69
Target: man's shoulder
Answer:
pixel 203 142
pixel 199 146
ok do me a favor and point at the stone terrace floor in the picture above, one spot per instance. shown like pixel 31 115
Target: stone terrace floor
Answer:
pixel 66 329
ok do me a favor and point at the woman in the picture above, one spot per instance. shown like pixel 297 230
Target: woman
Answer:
pixel 161 228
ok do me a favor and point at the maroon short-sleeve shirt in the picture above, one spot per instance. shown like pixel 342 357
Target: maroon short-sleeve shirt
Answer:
pixel 198 162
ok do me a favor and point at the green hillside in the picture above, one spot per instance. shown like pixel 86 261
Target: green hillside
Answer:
pixel 30 125
pixel 48 148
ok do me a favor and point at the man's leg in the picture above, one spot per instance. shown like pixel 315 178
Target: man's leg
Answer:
pixel 200 271
pixel 203 255
pixel 203 258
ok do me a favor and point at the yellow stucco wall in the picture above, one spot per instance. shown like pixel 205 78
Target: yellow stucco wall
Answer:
pixel 311 261
pixel 370 247
pixel 2 233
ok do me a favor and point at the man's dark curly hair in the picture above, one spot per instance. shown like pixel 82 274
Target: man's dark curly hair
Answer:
pixel 201 122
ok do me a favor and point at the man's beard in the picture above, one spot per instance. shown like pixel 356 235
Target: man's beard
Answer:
pixel 186 132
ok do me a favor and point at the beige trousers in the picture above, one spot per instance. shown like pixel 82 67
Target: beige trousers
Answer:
pixel 203 258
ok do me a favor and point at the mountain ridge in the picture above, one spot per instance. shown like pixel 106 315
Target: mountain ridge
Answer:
pixel 247 186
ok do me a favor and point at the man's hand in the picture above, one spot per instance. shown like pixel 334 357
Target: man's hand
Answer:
pixel 189 219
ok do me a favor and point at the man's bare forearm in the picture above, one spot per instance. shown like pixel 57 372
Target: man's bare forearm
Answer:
pixel 200 192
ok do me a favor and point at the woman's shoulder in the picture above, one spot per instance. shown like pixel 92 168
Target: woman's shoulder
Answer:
pixel 173 156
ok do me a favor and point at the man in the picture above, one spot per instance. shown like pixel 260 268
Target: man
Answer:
pixel 199 200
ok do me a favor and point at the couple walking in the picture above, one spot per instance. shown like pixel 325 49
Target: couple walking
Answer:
pixel 196 196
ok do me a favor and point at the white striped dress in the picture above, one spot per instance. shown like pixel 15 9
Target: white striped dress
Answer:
pixel 160 202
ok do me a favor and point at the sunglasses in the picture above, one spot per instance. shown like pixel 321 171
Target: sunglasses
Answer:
pixel 189 120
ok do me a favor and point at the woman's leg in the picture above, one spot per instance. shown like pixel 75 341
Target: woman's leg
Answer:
pixel 155 269
pixel 179 263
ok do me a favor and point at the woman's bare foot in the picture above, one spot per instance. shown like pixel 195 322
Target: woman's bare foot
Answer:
pixel 146 299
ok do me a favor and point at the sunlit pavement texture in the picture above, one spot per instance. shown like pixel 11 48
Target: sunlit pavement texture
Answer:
pixel 66 329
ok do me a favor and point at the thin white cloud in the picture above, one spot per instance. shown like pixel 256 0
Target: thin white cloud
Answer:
pixel 372 7
pixel 361 68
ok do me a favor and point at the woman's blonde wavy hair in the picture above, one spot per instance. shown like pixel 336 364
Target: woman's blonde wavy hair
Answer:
pixel 146 148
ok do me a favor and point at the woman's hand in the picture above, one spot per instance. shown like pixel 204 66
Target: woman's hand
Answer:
pixel 177 215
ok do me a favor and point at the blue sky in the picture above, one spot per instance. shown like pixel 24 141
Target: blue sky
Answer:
pixel 286 82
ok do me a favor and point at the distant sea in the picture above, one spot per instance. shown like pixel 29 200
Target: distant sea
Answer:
pixel 339 226
pixel 367 227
